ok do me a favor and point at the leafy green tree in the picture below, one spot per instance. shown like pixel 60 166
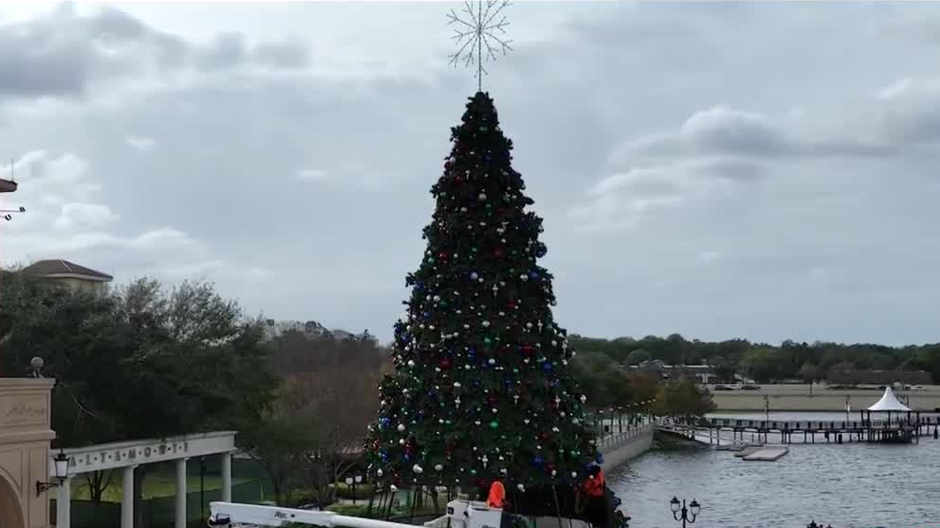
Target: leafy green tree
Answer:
pixel 181 361
pixel 810 373
pixel 762 364
pixel 682 399
pixel 602 380
pixel 637 356
pixel 481 387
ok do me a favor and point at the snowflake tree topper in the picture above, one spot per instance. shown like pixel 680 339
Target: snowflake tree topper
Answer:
pixel 479 34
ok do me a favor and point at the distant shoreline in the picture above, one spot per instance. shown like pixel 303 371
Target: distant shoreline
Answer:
pixel 797 398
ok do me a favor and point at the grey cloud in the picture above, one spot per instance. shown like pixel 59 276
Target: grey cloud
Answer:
pixel 63 53
pixel 226 51
pixel 285 54
pixel 725 131
pixel 567 103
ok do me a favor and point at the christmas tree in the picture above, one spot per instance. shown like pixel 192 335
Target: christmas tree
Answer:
pixel 481 388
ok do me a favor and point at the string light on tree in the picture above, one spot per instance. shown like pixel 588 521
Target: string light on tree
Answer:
pixel 479 34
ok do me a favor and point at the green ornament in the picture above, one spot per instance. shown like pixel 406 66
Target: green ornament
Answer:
pixel 494 424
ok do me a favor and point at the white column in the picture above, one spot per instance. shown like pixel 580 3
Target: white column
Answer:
pixel 226 477
pixel 127 501
pixel 181 493
pixel 63 504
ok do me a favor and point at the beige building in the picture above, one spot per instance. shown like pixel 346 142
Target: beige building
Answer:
pixel 69 274
pixel 25 434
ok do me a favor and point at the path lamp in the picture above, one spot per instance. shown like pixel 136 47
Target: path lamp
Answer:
pixel 683 514
pixel 61 462
pixel 351 484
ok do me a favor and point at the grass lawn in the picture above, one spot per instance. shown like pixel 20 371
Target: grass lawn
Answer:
pixel 155 485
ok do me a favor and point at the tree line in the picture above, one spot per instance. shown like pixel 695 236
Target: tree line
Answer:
pixel 765 362
pixel 148 361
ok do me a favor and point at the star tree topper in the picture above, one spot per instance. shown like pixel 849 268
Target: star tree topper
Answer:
pixel 479 34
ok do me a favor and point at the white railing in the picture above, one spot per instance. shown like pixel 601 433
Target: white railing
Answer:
pixel 615 440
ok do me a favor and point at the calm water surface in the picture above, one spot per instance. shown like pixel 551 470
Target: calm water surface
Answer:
pixel 849 485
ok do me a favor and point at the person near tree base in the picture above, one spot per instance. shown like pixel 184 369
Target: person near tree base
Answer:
pixel 481 390
pixel 595 491
pixel 497 495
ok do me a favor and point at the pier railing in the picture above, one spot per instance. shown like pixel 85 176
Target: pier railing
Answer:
pixel 816 425
pixel 615 440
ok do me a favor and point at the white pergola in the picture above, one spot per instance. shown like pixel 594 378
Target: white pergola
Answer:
pixel 129 455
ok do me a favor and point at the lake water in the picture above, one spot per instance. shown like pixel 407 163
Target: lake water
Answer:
pixel 849 485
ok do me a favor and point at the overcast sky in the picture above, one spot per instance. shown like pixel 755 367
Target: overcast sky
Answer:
pixel 767 171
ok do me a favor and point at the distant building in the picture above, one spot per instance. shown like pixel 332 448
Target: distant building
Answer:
pixel 69 274
pixel 878 377
pixel 309 329
pixel 702 373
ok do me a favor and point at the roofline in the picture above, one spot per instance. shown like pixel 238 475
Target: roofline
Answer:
pixel 80 276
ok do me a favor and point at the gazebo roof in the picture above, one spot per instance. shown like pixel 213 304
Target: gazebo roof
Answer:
pixel 888 402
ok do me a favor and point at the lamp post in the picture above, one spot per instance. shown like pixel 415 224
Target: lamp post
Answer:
pixel 683 514
pixel 356 482
pixel 61 462
pixel 351 485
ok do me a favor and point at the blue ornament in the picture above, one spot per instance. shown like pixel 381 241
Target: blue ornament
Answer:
pixel 547 366
pixel 533 275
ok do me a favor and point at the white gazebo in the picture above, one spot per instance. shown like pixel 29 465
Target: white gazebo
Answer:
pixel 904 426
pixel 889 403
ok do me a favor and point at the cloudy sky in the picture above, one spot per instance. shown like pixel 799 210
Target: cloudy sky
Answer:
pixel 760 170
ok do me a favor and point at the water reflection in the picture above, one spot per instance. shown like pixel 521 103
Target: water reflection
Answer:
pixel 849 485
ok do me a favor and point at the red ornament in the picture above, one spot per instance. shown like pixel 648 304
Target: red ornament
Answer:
pixel 498 253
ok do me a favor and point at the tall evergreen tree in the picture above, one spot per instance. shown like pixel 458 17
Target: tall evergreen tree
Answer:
pixel 481 388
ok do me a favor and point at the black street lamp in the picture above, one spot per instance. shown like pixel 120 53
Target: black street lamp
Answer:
pixel 682 513
pixel 61 465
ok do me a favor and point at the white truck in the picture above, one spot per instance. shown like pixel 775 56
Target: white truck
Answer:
pixel 460 514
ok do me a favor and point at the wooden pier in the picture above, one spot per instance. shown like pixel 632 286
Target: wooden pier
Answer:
pixel 900 429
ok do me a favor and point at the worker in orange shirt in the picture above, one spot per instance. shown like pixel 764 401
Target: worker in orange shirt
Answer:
pixel 595 483
pixel 595 487
pixel 497 496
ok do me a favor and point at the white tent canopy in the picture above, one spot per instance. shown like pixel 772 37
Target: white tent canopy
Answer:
pixel 888 402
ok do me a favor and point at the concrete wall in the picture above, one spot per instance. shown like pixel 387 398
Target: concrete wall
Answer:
pixel 621 448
